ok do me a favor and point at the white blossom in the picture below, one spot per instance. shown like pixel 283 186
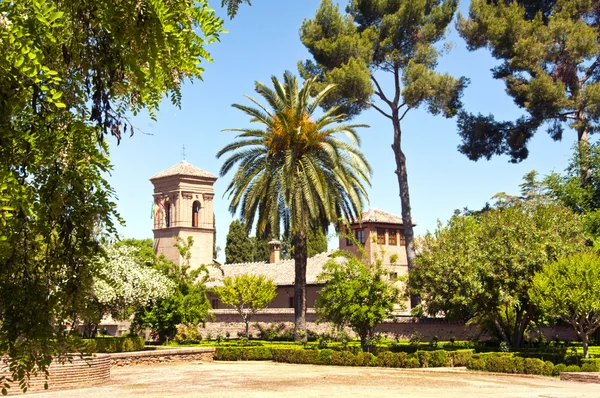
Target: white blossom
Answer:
pixel 121 282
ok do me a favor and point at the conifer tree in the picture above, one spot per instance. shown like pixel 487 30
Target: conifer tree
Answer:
pixel 551 68
pixel 239 246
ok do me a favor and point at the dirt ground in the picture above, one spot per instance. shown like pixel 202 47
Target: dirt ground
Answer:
pixel 269 379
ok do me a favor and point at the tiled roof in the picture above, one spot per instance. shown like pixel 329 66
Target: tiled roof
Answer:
pixel 376 215
pixel 281 273
pixel 185 169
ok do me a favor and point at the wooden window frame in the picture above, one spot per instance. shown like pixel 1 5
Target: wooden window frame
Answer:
pixel 381 236
pixel 392 237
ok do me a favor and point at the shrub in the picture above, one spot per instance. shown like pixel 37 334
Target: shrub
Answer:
pixel 110 345
pixel 573 368
pixel 243 354
pixel 533 366
pixel 412 362
pixel 558 369
pixel 548 368
pixel 325 357
pixel 589 367
pixel 459 357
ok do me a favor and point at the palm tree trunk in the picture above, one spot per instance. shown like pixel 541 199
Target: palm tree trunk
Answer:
pixel 402 174
pixel 300 260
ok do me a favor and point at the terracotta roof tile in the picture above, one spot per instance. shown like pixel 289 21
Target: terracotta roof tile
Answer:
pixel 380 216
pixel 281 272
pixel 185 169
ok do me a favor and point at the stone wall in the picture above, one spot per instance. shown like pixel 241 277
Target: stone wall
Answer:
pixel 162 356
pixel 229 321
pixel 75 374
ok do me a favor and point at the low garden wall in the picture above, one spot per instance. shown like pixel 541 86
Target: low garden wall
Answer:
pixel 162 356
pixel 403 327
pixel 75 374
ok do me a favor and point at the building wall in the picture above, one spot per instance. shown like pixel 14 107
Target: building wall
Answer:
pixel 281 300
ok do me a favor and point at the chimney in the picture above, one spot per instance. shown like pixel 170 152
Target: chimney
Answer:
pixel 274 247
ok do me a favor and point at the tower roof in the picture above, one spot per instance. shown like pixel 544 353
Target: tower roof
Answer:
pixel 184 169
pixel 378 216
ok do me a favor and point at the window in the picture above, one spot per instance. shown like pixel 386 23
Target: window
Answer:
pixel 381 236
pixel 214 303
pixel 392 237
pixel 168 215
pixel 348 240
pixel 360 236
pixel 291 303
pixel 393 275
pixel 402 240
pixel 195 212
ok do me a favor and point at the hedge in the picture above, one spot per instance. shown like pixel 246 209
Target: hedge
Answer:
pixel 243 354
pixel 114 344
pixel 510 363
pixel 388 359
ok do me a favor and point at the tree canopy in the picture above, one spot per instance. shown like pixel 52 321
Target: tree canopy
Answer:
pixel 294 169
pixel 550 65
pixel 70 73
pixel 482 266
pixel 398 38
pixel 355 294
pixel 238 247
pixel 569 289
pixel 247 294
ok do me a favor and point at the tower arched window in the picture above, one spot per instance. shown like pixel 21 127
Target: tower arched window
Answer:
pixel 195 213
pixel 167 214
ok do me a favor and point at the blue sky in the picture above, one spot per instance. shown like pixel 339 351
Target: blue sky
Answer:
pixel 262 41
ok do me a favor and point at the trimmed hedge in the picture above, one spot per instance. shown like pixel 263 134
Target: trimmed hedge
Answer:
pixel 384 359
pixel 115 344
pixel 509 363
pixel 243 354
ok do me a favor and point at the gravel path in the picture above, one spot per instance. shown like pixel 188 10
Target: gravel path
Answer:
pixel 269 379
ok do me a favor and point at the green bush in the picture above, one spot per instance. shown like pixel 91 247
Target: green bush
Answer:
pixel 589 367
pixel 459 357
pixel 558 369
pixel 533 366
pixel 110 345
pixel 243 354
pixel 573 368
pixel 324 357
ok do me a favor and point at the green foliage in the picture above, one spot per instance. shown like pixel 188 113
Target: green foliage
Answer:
pixel 294 168
pixel 569 289
pixel 247 294
pixel 238 247
pixel 384 359
pixel 188 305
pixel 356 295
pixel 71 73
pixel 187 335
pixel 114 344
pixel 399 38
pixel 558 369
pixel 316 242
pixel 550 58
pixel 243 354
pixel 579 188
pixel 483 265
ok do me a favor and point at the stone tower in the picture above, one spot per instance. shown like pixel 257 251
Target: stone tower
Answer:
pixel 183 206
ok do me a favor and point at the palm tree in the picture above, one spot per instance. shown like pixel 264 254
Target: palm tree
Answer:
pixel 295 170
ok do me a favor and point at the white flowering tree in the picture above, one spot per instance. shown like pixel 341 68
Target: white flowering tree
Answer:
pixel 123 283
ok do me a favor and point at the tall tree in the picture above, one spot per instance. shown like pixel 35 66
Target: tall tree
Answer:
pixel 238 247
pixel 482 266
pixel 550 55
pixel 70 72
pixel 399 39
pixel 294 169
